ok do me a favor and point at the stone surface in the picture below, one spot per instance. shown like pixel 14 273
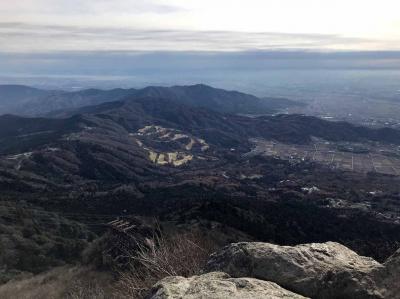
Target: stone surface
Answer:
pixel 218 285
pixel 388 278
pixel 317 270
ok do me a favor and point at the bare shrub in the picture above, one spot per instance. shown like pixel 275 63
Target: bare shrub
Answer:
pixel 177 255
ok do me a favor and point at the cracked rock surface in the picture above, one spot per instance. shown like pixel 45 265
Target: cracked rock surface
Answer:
pixel 218 285
pixel 317 270
pixel 262 270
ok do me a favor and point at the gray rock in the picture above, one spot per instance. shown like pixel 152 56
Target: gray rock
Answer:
pixel 217 285
pixel 326 270
pixel 388 278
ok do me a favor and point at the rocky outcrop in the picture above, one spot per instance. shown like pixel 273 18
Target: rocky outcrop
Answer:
pixel 217 285
pixel 388 278
pixel 326 270
pixel 318 270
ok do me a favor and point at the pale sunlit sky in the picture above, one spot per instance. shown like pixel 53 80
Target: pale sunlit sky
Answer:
pixel 198 25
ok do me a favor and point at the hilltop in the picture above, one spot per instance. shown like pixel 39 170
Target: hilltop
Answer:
pixel 27 101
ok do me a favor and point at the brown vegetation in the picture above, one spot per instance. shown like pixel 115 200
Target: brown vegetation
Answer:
pixel 61 282
pixel 177 255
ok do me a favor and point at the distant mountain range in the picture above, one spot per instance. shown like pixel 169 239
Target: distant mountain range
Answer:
pixel 27 101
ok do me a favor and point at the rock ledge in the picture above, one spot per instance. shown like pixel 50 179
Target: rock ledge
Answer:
pixel 218 285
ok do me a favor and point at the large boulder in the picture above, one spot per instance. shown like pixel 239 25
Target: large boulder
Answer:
pixel 217 285
pixel 325 270
pixel 388 278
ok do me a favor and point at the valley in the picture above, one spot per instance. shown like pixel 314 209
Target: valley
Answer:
pixel 285 179
pixel 357 157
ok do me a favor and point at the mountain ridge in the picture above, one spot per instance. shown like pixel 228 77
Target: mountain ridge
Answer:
pixel 61 103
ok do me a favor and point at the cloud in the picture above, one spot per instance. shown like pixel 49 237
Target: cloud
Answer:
pixel 72 7
pixel 25 37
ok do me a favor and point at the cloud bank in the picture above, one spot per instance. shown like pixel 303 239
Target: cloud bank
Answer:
pixel 160 62
pixel 24 37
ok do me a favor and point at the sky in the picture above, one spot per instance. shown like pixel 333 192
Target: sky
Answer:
pixel 198 25
pixel 148 37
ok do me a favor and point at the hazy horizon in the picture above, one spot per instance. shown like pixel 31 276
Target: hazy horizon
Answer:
pixel 135 37
pixel 312 51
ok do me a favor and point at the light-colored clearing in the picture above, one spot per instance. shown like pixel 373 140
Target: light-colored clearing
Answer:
pixel 161 159
pixel 179 136
pixel 183 160
pixel 24 155
pixel 172 157
pixel 153 156
pixel 189 146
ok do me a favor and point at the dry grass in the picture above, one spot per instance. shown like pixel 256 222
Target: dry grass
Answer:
pixel 179 255
pixel 182 255
pixel 62 282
